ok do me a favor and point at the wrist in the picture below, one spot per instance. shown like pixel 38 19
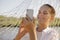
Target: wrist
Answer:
pixel 33 35
pixel 31 31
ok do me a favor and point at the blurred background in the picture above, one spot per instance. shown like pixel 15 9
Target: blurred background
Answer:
pixel 12 12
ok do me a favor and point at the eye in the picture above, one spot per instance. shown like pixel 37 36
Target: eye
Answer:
pixel 45 13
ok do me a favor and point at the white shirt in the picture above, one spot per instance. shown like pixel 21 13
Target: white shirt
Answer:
pixel 46 34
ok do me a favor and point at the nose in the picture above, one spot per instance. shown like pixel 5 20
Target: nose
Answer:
pixel 40 15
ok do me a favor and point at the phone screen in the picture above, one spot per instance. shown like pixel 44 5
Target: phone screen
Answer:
pixel 29 13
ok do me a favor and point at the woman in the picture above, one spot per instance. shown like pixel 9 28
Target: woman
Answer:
pixel 45 16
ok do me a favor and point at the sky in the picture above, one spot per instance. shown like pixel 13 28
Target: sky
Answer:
pixel 16 8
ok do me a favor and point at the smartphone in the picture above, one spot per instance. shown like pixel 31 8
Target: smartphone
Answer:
pixel 29 13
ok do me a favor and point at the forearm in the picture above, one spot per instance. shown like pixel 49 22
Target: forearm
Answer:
pixel 33 35
pixel 20 35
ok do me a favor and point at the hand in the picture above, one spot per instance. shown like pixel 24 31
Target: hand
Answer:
pixel 22 25
pixel 29 25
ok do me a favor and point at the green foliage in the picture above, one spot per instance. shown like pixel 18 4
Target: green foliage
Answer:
pixel 56 22
pixel 13 22
pixel 6 21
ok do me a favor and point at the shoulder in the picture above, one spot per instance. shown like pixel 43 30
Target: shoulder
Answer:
pixel 52 34
pixel 52 31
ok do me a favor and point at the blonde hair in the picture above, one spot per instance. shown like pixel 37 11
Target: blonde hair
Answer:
pixel 52 9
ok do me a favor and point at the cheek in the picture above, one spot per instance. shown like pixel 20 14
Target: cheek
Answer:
pixel 47 18
pixel 44 17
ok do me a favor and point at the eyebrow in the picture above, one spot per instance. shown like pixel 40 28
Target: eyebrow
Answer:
pixel 44 11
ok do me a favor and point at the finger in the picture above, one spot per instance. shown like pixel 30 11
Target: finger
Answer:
pixel 28 18
pixel 25 21
pixel 33 20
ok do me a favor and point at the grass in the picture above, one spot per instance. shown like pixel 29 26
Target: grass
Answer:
pixel 7 21
pixel 11 21
pixel 56 22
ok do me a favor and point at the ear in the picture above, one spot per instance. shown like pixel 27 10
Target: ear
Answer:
pixel 52 18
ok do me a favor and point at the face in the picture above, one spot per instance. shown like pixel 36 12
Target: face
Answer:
pixel 44 15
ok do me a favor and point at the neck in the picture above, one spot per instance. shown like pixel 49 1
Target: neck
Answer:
pixel 41 27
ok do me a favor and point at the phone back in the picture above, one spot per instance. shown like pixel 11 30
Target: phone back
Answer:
pixel 30 13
